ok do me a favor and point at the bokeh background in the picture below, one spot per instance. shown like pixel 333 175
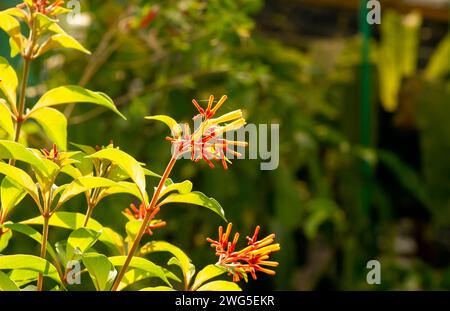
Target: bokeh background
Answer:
pixel 364 114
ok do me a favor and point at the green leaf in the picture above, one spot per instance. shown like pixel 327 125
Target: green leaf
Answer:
pixel 123 187
pixel 23 277
pixel 80 241
pixel 61 41
pixel 15 12
pixel 182 188
pixel 220 286
pixel 171 123
pixel 101 270
pixel 45 23
pixel 9 81
pixel 439 64
pixel 127 163
pixel 184 262
pixel 33 234
pixel 207 273
pixel 132 228
pixel 12 27
pixel 74 94
pixel 196 198
pixel 135 275
pixel 143 264
pixel 6 122
pixel 157 289
pixel 20 178
pixel 11 194
pixel 13 150
pixel 6 284
pixel 29 262
pixel 4 239
pixel 84 184
pixel 54 124
pixel 72 221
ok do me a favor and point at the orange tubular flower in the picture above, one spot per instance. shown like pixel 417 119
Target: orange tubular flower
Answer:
pixel 139 214
pixel 252 258
pixel 44 6
pixel 206 143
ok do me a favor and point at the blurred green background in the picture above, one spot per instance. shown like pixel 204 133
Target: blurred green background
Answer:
pixel 364 114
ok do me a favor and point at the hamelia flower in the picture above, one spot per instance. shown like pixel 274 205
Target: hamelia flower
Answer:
pixel 207 142
pixel 134 213
pixel 253 258
pixel 44 6
pixel 52 154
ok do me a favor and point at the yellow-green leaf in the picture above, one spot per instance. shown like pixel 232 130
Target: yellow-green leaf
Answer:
pixel 157 289
pixel 11 26
pixel 21 178
pixel 6 284
pixel 10 195
pixel 196 198
pixel 143 264
pixel 207 273
pixel 220 286
pixel 60 41
pixel 127 163
pixel 187 268
pixel 100 269
pixel 170 122
pixel 6 122
pixel 29 262
pixel 9 81
pixel 74 94
pixel 84 184
pixel 54 124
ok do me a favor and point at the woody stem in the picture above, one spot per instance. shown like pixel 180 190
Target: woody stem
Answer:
pixel 145 222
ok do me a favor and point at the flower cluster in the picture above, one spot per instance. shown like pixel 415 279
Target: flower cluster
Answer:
pixel 139 214
pixel 207 142
pixel 44 6
pixel 252 258
pixel 52 154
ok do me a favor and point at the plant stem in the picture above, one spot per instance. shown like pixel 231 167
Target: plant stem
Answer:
pixel 27 57
pixel 88 214
pixel 43 249
pixel 145 222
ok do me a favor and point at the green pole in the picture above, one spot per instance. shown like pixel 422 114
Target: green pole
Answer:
pixel 365 109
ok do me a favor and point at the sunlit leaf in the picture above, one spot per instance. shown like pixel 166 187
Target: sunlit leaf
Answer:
pixel 207 273
pixel 196 198
pixel 33 234
pixel 29 262
pixel 74 94
pixel 84 184
pixel 9 81
pixel 101 270
pixel 143 264
pixel 4 239
pixel 171 123
pixel 157 289
pixel 79 241
pixel 6 284
pixel 6 122
pixel 127 163
pixel 220 286
pixel 21 178
pixel 184 262
pixel 72 221
pixel 11 194
pixel 11 26
pixel 54 124
pixel 61 41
